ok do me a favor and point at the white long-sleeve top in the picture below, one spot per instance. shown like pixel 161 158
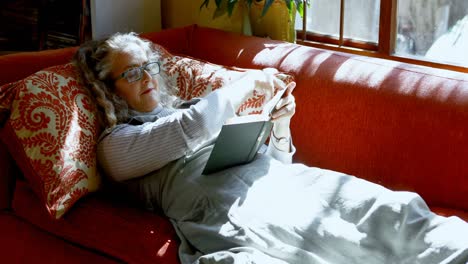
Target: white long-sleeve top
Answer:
pixel 133 150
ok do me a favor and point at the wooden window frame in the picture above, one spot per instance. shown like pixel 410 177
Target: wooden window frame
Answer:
pixel 383 49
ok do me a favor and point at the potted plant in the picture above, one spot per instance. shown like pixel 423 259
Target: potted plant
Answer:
pixel 266 18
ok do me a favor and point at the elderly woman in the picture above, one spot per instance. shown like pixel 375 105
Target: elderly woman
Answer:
pixel 267 211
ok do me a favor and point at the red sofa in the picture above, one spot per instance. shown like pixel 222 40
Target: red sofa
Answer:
pixel 396 124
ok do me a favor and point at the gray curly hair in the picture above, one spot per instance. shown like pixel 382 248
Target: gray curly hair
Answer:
pixel 94 60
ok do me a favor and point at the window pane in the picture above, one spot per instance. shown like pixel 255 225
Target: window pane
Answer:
pixel 361 20
pixel 323 17
pixel 433 30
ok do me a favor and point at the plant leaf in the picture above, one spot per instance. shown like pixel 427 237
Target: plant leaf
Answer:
pixel 230 7
pixel 205 3
pixel 300 8
pixel 267 6
pixel 219 12
pixel 221 8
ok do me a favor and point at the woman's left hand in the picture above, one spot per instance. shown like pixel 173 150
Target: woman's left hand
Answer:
pixel 281 117
pixel 286 107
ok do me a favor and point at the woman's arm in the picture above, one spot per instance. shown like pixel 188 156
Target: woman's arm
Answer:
pixel 281 146
pixel 133 151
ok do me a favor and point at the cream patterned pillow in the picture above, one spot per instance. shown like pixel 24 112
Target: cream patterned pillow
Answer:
pixel 52 133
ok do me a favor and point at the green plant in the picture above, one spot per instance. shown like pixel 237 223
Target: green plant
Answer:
pixel 223 6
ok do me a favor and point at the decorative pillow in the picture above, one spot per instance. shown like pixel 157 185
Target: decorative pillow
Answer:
pixel 52 132
pixel 196 78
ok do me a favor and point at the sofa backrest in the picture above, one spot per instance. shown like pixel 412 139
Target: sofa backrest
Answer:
pixel 20 65
pixel 397 124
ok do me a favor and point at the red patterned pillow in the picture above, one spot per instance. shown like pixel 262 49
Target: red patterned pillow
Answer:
pixel 196 78
pixel 52 132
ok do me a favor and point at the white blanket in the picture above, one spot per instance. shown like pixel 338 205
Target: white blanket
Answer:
pixel 269 212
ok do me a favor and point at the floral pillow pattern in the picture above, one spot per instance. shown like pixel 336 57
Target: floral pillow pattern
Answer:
pixel 196 78
pixel 53 134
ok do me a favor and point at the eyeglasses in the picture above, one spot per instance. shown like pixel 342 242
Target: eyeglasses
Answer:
pixel 136 73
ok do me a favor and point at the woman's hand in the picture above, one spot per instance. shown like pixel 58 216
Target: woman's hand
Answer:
pixel 281 117
pixel 266 82
pixel 286 107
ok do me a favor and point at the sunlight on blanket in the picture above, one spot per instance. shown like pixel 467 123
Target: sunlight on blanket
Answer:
pixel 295 209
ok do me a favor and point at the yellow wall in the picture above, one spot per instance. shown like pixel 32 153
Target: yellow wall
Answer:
pixel 177 13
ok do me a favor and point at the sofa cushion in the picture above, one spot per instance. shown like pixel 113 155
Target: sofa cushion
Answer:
pixel 22 242
pixel 51 133
pixel 106 224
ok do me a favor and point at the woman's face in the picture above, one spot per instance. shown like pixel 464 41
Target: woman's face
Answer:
pixel 141 95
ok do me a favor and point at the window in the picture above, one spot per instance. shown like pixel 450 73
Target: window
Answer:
pixel 433 30
pixel 428 32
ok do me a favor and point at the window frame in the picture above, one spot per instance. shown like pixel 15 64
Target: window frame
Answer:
pixel 383 49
